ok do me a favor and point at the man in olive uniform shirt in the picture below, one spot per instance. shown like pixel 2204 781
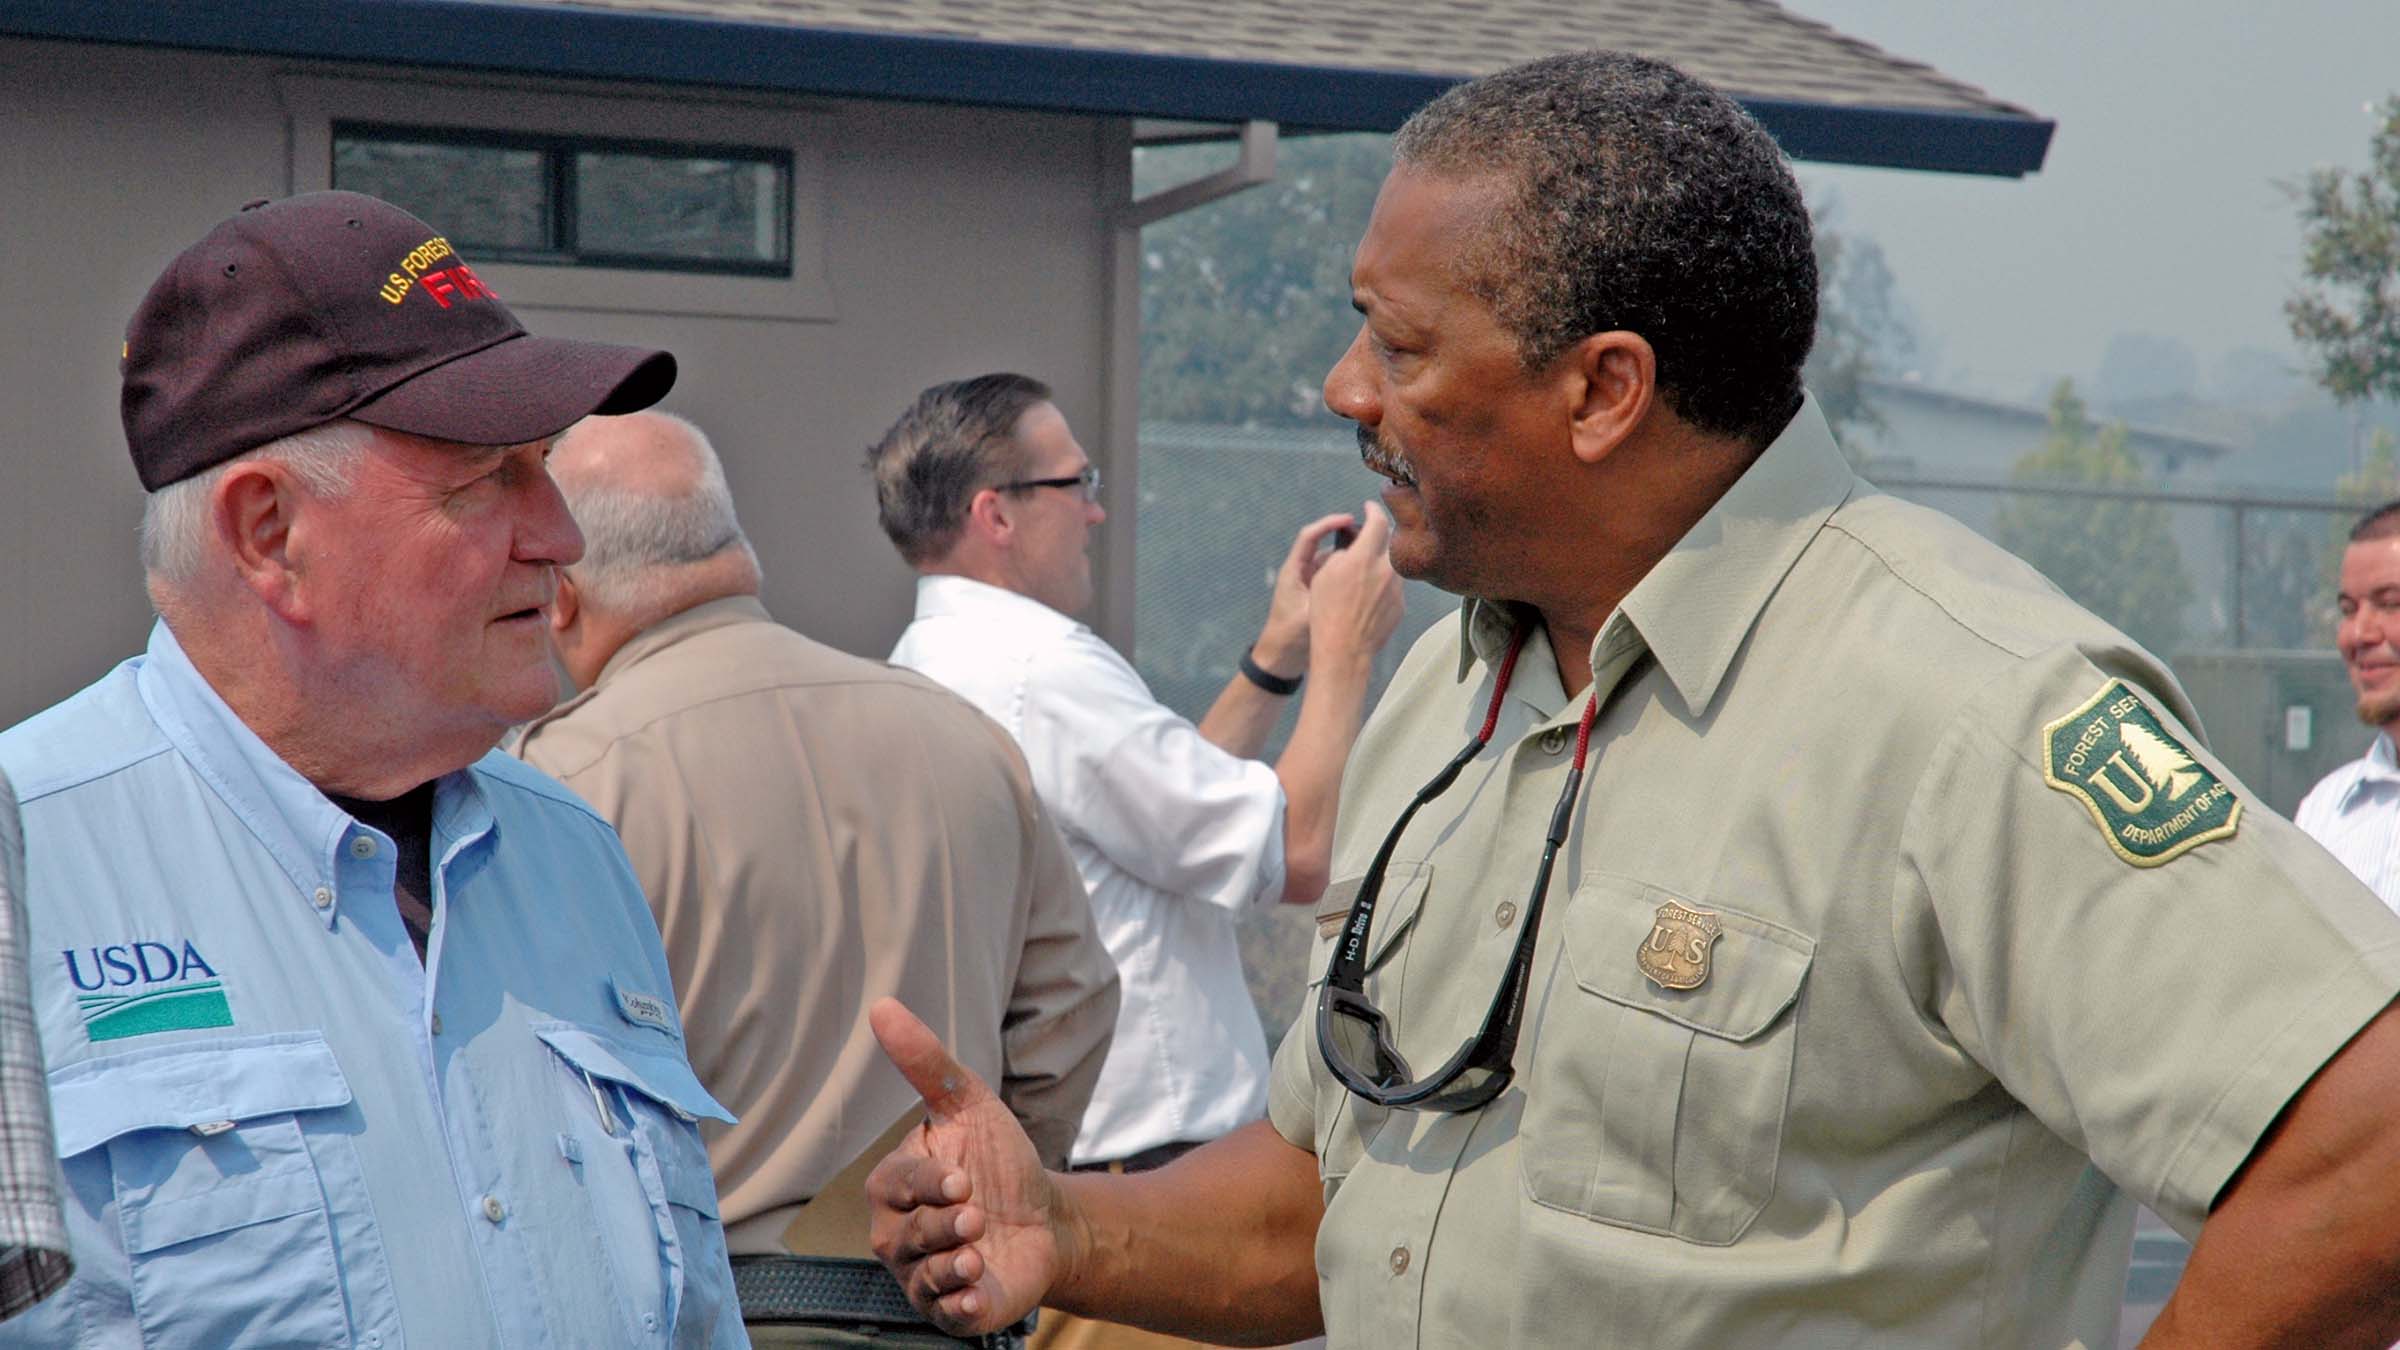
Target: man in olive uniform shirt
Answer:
pixel 812 830
pixel 1893 932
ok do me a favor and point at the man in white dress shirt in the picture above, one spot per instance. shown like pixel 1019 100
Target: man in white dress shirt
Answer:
pixel 1175 827
pixel 2355 811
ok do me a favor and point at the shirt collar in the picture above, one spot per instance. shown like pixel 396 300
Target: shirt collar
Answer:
pixel 1692 610
pixel 2379 765
pixel 691 623
pixel 297 825
pixel 947 595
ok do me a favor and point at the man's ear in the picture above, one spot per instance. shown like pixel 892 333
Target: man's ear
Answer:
pixel 991 515
pixel 565 605
pixel 253 511
pixel 1611 382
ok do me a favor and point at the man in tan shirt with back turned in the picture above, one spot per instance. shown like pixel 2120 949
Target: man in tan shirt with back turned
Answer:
pixel 813 830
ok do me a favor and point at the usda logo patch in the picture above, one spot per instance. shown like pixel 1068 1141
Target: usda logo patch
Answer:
pixel 2150 798
pixel 137 988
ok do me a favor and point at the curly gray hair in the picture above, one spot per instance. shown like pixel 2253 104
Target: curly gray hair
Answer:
pixel 1638 199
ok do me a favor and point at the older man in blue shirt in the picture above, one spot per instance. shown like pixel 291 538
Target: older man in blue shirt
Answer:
pixel 358 1033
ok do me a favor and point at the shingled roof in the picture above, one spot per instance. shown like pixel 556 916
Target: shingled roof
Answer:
pixel 1749 47
pixel 1326 65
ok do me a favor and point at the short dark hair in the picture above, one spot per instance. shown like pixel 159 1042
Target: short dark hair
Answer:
pixel 2381 523
pixel 955 440
pixel 1638 199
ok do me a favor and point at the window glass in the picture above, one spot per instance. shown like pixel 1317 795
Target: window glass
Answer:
pixel 650 206
pixel 534 198
pixel 492 199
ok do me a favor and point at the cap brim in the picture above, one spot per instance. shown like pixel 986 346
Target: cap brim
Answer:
pixel 524 389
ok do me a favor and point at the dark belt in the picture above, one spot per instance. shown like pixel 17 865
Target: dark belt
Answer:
pixel 1148 1160
pixel 821 1289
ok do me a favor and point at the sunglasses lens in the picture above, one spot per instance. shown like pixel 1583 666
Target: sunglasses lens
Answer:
pixel 1355 1035
pixel 1469 1091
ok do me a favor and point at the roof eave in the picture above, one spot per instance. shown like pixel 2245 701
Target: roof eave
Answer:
pixel 1933 139
pixel 553 40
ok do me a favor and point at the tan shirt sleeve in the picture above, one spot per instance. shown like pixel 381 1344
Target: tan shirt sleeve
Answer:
pixel 2156 1012
pixel 1291 1091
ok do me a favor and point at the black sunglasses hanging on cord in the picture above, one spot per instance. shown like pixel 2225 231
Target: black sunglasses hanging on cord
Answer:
pixel 1352 1033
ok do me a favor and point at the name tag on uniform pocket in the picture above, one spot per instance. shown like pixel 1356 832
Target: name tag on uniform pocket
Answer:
pixel 644 1009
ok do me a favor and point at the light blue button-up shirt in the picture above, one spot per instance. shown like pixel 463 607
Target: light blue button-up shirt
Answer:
pixel 277 1125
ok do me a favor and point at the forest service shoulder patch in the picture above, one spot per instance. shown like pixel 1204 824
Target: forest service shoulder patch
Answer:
pixel 2152 800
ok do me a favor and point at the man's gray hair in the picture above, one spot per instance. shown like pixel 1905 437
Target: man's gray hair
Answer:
pixel 955 440
pixel 1635 197
pixel 175 518
pixel 632 540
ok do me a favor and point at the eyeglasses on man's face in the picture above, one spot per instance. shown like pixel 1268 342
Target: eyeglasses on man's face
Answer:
pixel 1088 482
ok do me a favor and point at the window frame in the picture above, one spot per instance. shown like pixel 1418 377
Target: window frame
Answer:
pixel 443 108
pixel 561 184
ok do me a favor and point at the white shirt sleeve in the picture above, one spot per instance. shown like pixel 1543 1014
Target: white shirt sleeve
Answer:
pixel 1145 788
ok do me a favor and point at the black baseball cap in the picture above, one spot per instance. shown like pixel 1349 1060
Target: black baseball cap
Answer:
pixel 329 305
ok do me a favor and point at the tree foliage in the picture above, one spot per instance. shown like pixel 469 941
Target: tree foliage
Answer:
pixel 2346 314
pixel 2116 556
pixel 1863 331
pixel 1246 301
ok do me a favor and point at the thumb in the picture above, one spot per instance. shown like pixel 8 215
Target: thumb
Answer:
pixel 1374 528
pixel 947 1086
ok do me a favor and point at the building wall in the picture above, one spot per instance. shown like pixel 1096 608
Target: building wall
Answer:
pixel 951 241
pixel 1940 436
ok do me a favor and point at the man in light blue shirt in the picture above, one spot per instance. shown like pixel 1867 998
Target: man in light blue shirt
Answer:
pixel 2355 810
pixel 359 1034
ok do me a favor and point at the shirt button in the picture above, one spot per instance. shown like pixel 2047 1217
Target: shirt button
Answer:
pixel 1399 1260
pixel 1554 741
pixel 649 1321
pixel 437 1024
pixel 1506 914
pixel 493 1209
pixel 362 847
pixel 322 898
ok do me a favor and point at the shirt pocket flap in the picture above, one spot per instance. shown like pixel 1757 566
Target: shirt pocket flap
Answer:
pixel 193 1083
pixel 1404 887
pixel 1753 972
pixel 665 1079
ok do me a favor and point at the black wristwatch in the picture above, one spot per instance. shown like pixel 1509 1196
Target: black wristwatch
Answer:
pixel 1281 685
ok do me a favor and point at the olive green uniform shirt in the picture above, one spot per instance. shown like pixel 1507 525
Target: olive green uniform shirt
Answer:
pixel 815 830
pixel 1954 1020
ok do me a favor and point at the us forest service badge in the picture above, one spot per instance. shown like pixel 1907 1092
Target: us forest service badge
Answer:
pixel 1675 955
pixel 2153 802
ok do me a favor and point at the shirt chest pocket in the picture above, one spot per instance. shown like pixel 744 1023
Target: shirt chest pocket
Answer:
pixel 239 1200
pixel 1656 1108
pixel 634 1137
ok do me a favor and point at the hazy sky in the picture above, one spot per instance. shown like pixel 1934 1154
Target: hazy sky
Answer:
pixel 2157 210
